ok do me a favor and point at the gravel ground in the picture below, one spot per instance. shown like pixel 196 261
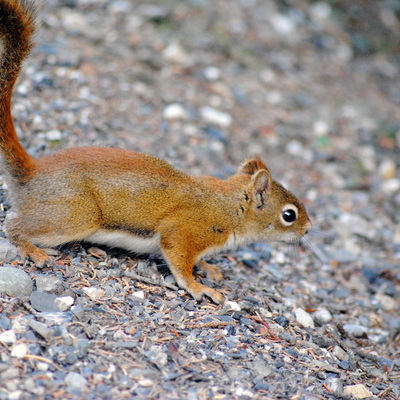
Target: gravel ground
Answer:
pixel 204 85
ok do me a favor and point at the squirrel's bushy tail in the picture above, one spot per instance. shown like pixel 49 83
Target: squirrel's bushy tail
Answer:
pixel 18 23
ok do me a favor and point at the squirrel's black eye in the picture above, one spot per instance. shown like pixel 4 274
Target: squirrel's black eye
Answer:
pixel 289 215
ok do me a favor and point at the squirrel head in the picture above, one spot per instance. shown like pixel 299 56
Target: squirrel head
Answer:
pixel 275 214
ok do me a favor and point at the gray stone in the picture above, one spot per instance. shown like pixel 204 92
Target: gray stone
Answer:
pixel 335 385
pixel 42 301
pixel 304 318
pixel 355 330
pixel 15 282
pixel 78 311
pixel 40 328
pixel 48 283
pixel 8 252
pixel 322 316
pixel 75 381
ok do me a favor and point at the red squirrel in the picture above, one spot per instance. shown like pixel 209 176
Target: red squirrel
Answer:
pixel 129 199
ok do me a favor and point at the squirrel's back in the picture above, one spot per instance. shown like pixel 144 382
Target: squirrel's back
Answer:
pixel 18 23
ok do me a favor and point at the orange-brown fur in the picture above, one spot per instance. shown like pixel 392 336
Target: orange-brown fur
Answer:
pixel 128 198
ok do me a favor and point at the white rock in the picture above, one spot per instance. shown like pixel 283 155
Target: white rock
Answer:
pixel 322 316
pixel 175 53
pixel 19 351
pixel 367 157
pixel 53 135
pixel 93 292
pixel 388 303
pixel 344 52
pixel 387 169
pixel 139 294
pixel 75 22
pixel 303 318
pixel 175 111
pixel 42 366
pixel 274 97
pixel 215 116
pixel 120 335
pixel 146 382
pixel 267 76
pixel 391 186
pixel 283 24
pixel 242 392
pixel 321 128
pixel 8 337
pixel 295 148
pixel 111 369
pixel 14 395
pixel 76 381
pixel 232 305
pixel 212 73
pixel 320 11
pixel 64 303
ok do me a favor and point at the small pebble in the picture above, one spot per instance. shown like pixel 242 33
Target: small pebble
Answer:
pixel 53 135
pixel 139 294
pixel 355 330
pixel 339 353
pixel 322 316
pixel 282 321
pixel 212 73
pixel 321 128
pixel 304 318
pixel 359 391
pixel 387 169
pixel 175 111
pixel 232 305
pixel 335 385
pixel 19 351
pixel 93 292
pixel 175 53
pixel 387 303
pixel 283 24
pixel 214 116
pixel 48 283
pixel 40 328
pixel 75 381
pixel 64 303
pixel 320 10
pixel 146 382
pixel 391 186
pixel 8 252
pixel 8 337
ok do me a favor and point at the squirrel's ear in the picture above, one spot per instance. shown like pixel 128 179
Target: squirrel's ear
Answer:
pixel 250 167
pixel 260 185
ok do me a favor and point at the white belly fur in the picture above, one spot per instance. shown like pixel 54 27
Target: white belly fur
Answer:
pixel 126 241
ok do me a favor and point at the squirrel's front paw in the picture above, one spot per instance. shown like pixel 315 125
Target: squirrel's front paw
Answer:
pixel 197 290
